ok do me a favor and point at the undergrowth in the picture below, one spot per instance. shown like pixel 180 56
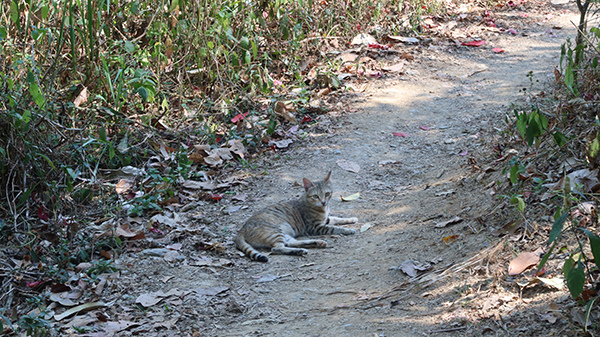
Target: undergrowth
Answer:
pixel 89 89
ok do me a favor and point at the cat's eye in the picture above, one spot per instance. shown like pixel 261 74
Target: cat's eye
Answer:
pixel 315 196
pixel 327 194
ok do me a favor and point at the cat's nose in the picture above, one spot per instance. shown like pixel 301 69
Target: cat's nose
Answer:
pixel 324 203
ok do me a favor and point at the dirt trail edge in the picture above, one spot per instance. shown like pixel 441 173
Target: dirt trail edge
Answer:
pixel 448 106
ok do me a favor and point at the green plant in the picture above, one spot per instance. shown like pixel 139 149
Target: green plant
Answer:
pixel 531 125
pixel 34 324
pixel 100 267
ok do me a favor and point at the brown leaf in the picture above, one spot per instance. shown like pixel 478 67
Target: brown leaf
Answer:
pixel 396 68
pixel 450 238
pixel 81 98
pixel 363 39
pixel 282 111
pixel 522 262
pixel 123 186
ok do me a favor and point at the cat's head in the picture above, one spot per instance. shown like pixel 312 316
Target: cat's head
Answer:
pixel 318 193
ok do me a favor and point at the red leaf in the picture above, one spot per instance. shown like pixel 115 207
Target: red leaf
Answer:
pixel 273 148
pixel 423 127
pixel 512 31
pixel 156 230
pixel 498 50
pixel 378 46
pixel 42 213
pixel 400 134
pixel 306 119
pixel 464 153
pixel 216 197
pixel 478 43
pixel 34 284
pixel 239 117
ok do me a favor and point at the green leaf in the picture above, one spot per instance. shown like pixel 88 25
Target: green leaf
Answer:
pixel 14 12
pixel 48 160
pixel 144 93
pixel 557 227
pixel 545 258
pixel 559 138
pixel 594 148
pixel 102 133
pixel 520 205
pixel 111 151
pixel 2 33
pixel 588 309
pixel 248 57
pixel 594 245
pixel 129 47
pixel 254 49
pixel 45 10
pixel 514 174
pixel 533 131
pixel 245 43
pixel 575 279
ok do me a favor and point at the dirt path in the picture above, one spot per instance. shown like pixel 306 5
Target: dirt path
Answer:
pixel 406 185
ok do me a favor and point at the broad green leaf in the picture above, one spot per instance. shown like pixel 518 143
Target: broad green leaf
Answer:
pixel 129 47
pixel 14 12
pixel 248 57
pixel 245 43
pixel 2 33
pixel 45 10
pixel 144 93
pixel 111 151
pixel 575 279
pixel 557 227
pixel 533 131
pixel 102 133
pixel 37 96
pixel 514 174
pixel 594 245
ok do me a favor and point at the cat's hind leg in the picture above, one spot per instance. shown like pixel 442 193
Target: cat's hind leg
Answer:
pixel 281 249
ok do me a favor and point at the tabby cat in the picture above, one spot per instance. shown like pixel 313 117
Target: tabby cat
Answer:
pixel 277 226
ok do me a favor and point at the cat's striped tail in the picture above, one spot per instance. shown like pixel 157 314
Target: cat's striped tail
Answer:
pixel 246 248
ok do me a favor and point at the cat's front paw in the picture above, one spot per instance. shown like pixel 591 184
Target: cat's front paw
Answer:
pixel 353 220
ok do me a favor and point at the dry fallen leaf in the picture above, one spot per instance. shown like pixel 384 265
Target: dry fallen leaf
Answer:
pixel 81 98
pixel 348 165
pixel 365 227
pixel 522 262
pixel 450 238
pixel 452 221
pixel 282 110
pixel 351 197
pixel 78 309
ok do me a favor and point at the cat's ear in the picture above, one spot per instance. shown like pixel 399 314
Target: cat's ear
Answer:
pixel 307 184
pixel 327 178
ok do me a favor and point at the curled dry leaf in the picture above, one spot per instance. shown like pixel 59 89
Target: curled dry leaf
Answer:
pixel 522 262
pixel 80 308
pixel 123 186
pixel 282 111
pixel 450 238
pixel 363 39
pixel 411 268
pixel 452 221
pixel 351 197
pixel 81 98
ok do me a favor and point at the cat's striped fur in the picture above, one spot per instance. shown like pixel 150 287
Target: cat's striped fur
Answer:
pixel 277 226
